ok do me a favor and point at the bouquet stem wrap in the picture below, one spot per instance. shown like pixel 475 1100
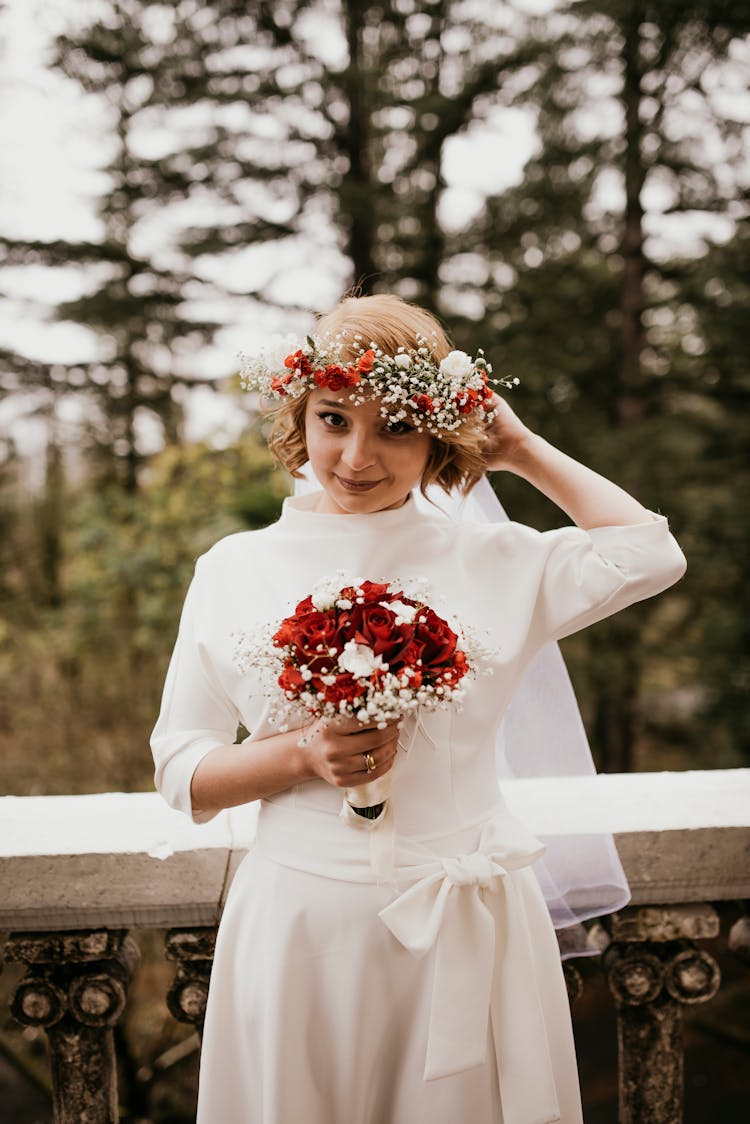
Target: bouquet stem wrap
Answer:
pixel 379 823
pixel 370 798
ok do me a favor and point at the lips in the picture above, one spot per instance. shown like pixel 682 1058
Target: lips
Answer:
pixel 357 485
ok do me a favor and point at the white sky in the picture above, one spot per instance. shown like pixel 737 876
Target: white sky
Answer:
pixel 51 142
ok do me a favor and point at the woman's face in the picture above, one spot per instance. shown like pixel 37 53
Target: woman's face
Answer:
pixel 363 463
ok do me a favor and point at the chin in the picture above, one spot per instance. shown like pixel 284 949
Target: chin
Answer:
pixel 378 499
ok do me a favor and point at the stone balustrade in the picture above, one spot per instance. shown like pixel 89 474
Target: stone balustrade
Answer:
pixel 78 872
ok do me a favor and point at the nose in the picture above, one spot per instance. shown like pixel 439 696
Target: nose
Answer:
pixel 358 453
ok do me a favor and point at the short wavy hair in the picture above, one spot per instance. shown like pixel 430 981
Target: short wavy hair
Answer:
pixel 456 459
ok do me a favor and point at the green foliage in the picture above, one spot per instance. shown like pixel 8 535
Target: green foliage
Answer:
pixel 83 678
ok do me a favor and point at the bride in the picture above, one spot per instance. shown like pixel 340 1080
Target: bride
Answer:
pixel 433 992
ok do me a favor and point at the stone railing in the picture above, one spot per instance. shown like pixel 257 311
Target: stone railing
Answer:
pixel 76 873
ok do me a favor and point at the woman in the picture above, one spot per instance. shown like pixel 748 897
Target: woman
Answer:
pixel 436 993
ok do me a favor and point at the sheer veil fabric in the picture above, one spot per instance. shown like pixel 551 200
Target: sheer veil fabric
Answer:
pixel 542 735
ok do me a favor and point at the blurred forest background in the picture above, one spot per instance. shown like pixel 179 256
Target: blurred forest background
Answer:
pixel 310 135
pixel 255 160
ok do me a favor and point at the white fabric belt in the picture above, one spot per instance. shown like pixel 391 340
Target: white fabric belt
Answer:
pixel 464 900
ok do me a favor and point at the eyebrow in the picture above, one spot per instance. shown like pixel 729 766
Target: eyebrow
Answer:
pixel 331 402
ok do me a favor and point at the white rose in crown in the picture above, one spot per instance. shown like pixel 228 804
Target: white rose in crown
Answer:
pixel 457 365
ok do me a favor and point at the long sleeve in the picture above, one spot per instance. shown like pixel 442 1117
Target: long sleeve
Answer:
pixel 589 575
pixel 196 715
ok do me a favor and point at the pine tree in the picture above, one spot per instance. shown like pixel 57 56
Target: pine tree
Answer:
pixel 329 122
pixel 135 301
pixel 585 290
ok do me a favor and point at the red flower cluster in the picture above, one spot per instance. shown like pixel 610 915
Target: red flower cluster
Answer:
pixel 421 652
pixel 471 398
pixel 424 403
pixel 298 363
pixel 333 376
pixel 336 377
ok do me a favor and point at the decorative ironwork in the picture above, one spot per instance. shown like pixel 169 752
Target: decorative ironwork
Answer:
pixel 75 987
pixel 739 935
pixel 193 949
pixel 652 969
pixel 573 982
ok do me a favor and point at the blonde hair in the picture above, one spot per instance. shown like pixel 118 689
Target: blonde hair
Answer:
pixel 455 459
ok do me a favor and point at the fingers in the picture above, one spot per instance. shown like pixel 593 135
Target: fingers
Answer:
pixel 383 764
pixel 357 739
pixel 345 757
pixel 352 727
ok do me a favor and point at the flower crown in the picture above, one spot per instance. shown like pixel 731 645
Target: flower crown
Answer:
pixel 411 385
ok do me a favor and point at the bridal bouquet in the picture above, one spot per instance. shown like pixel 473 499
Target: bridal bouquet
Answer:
pixel 360 649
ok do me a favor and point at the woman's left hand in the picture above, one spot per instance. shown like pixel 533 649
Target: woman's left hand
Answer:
pixel 506 436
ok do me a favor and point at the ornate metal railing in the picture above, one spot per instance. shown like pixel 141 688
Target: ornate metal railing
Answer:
pixel 76 873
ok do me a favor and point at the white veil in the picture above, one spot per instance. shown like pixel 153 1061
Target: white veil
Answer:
pixel 542 735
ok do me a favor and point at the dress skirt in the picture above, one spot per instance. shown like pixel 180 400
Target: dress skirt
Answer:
pixel 319 1014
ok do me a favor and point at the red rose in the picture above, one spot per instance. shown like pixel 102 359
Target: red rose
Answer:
pixel 466 402
pixel 485 396
pixel 345 689
pixel 413 652
pixel 298 362
pixel 374 625
pixel 291 680
pixel 305 606
pixel 313 634
pixel 424 403
pixel 284 636
pixel 458 668
pixel 460 664
pixel 336 377
pixel 438 638
pixel 287 631
pixel 280 382
pixel 365 362
pixel 376 591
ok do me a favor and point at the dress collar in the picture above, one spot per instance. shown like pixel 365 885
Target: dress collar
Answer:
pixel 298 512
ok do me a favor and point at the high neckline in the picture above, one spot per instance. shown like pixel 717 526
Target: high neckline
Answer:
pixel 300 511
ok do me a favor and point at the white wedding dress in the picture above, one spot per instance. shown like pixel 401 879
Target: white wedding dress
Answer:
pixel 438 995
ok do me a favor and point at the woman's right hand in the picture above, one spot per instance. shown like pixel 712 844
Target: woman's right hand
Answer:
pixel 336 751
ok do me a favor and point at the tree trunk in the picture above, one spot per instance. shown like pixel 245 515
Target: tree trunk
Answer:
pixel 357 195
pixel 630 404
pixel 50 523
pixel 617 700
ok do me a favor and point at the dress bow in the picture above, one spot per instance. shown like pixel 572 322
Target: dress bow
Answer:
pixel 485 986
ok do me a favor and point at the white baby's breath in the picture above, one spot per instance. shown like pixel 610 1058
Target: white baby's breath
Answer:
pixel 404 613
pixel 325 593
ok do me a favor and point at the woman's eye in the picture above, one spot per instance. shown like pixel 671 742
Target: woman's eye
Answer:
pixel 335 421
pixel 399 428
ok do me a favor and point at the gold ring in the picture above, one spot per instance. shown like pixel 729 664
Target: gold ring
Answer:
pixel 370 765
